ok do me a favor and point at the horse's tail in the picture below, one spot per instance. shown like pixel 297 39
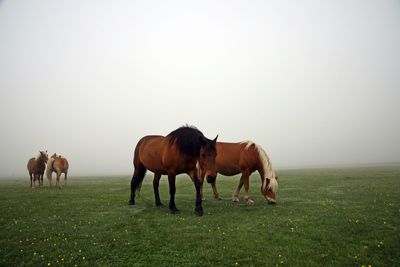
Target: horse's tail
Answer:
pixel 137 178
pixel 49 168
pixel 140 170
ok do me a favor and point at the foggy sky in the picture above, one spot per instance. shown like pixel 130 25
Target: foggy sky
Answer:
pixel 314 83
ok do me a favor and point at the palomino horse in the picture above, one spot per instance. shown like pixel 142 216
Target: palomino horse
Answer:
pixel 246 157
pixel 36 167
pixel 59 165
pixel 178 152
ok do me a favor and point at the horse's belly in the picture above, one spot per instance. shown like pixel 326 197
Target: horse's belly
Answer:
pixel 228 170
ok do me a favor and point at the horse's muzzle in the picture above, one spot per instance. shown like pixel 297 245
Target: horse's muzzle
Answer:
pixel 210 179
pixel 271 201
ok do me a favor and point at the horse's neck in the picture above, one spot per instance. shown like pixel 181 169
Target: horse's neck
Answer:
pixel 40 161
pixel 265 163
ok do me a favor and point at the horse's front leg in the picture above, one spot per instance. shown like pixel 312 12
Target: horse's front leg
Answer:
pixel 156 183
pixel 172 191
pixel 199 191
pixel 34 180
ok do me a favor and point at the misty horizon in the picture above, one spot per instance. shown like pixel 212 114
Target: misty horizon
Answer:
pixel 313 83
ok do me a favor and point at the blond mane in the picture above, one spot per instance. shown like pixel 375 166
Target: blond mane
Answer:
pixel 266 165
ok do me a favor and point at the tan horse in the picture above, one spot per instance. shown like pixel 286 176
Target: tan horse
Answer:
pixel 36 167
pixel 245 158
pixel 59 165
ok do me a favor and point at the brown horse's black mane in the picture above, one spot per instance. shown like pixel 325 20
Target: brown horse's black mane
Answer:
pixel 188 139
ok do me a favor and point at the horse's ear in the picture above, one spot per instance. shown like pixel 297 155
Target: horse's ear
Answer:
pixel 215 139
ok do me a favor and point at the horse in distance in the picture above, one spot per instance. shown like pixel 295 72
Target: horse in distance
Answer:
pixel 183 150
pixel 36 167
pixel 59 165
pixel 246 157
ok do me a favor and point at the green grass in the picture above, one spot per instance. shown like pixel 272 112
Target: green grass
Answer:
pixel 336 217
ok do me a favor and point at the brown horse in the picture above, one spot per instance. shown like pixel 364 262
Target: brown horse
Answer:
pixel 59 165
pixel 178 152
pixel 245 158
pixel 36 167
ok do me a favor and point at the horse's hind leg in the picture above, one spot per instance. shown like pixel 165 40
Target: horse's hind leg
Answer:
pixel 156 183
pixel 58 179
pixel 137 178
pixel 30 175
pixel 172 191
pixel 49 179
pixel 235 197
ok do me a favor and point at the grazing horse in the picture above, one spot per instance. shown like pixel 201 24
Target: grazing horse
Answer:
pixel 36 167
pixel 59 165
pixel 181 151
pixel 245 158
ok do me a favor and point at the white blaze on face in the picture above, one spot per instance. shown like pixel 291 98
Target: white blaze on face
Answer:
pixel 198 170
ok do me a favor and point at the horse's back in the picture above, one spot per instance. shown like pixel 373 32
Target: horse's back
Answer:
pixel 160 155
pixel 149 153
pixel 228 158
pixel 233 158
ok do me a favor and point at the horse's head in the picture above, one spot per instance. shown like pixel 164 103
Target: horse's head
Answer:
pixel 43 156
pixel 208 153
pixel 269 189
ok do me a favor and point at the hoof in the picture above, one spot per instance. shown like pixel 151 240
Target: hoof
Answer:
pixel 160 205
pixel 235 199
pixel 218 198
pixel 250 202
pixel 131 202
pixel 174 211
pixel 199 211
pixel 271 203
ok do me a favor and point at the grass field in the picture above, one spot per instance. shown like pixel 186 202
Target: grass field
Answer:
pixel 324 217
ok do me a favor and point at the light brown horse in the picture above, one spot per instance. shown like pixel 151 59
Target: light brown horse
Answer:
pixel 59 165
pixel 245 158
pixel 36 167
pixel 178 152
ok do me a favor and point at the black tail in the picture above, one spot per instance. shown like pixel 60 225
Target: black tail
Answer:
pixel 137 178
pixel 138 175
